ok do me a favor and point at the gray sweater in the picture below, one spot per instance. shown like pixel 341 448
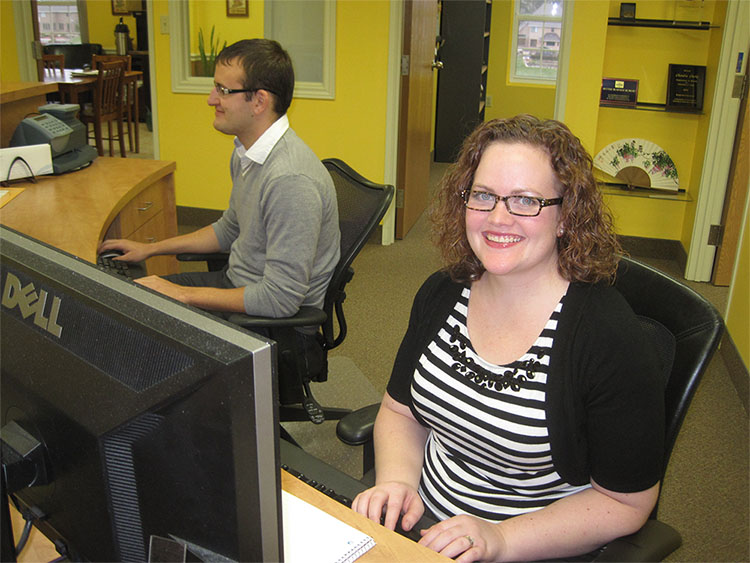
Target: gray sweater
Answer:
pixel 281 229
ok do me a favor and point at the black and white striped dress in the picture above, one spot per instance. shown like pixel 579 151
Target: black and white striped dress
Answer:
pixel 488 451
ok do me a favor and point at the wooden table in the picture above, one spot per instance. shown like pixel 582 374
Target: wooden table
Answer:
pixel 17 100
pixel 71 87
pixel 112 198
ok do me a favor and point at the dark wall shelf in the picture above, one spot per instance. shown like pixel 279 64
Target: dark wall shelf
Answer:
pixel 665 24
pixel 649 193
pixel 652 106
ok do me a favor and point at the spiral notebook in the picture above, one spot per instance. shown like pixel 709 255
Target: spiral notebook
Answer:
pixel 311 535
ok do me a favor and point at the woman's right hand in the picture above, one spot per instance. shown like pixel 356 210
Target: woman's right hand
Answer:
pixel 390 500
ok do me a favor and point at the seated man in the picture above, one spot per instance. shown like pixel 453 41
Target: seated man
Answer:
pixel 281 227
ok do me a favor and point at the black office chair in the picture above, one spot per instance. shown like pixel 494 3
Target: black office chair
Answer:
pixel 686 329
pixel 361 205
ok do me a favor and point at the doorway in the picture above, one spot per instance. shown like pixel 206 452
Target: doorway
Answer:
pixel 415 113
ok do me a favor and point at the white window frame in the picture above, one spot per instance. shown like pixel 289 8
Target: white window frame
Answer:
pixel 517 19
pixel 184 82
pixel 325 88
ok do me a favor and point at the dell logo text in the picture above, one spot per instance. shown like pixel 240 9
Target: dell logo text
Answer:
pixel 30 302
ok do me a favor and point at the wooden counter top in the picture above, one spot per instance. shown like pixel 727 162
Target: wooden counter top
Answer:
pixel 73 211
pixel 14 91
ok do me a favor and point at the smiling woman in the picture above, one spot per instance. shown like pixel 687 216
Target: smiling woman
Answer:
pixel 308 34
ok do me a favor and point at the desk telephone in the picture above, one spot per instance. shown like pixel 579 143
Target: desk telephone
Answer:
pixel 57 125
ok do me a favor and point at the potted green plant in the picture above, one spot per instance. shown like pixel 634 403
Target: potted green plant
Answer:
pixel 208 58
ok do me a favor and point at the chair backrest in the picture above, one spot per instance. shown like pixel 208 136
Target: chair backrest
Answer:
pixel 108 93
pixel 694 323
pixel 362 204
pixel 53 63
pixel 96 59
pixel 76 56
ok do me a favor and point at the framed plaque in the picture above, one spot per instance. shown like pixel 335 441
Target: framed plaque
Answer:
pixel 685 88
pixel 620 92
pixel 627 10
pixel 237 8
pixel 120 7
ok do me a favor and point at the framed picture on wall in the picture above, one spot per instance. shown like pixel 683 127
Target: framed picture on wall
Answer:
pixel 120 7
pixel 237 8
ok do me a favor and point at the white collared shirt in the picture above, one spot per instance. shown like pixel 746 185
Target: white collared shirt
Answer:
pixel 261 148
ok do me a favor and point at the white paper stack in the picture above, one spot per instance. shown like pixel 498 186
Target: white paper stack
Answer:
pixel 311 535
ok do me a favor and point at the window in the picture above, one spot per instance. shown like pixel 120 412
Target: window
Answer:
pixel 307 29
pixel 61 21
pixel 536 40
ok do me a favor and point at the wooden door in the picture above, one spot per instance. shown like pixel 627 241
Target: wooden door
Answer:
pixel 415 114
pixel 734 202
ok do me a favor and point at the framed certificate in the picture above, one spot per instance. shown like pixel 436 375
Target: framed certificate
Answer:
pixel 621 92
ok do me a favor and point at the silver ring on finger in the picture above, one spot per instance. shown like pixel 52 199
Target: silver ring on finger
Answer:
pixel 470 540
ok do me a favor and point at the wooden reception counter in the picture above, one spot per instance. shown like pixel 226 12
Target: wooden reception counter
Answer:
pixel 112 198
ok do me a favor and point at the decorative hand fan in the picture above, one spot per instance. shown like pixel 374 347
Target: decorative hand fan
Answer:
pixel 639 163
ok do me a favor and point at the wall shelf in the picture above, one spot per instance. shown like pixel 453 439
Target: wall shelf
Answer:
pixel 652 106
pixel 665 24
pixel 649 193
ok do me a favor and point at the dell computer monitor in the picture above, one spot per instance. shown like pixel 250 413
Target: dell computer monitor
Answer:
pixel 152 419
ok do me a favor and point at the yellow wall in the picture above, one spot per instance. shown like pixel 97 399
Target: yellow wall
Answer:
pixel 102 24
pixel 738 311
pixel 598 50
pixel 511 99
pixel 585 73
pixel 9 70
pixel 350 127
pixel 226 29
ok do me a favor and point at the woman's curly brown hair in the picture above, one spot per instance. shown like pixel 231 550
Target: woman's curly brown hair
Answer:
pixel 588 249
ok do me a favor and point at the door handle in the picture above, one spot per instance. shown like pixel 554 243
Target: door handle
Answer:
pixel 437 65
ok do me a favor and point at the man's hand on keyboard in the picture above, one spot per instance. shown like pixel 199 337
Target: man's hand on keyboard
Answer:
pixel 132 251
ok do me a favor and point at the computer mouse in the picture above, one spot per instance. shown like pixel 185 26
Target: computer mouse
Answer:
pixel 113 253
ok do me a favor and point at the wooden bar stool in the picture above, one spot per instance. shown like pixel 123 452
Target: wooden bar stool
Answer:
pixel 130 93
pixel 107 106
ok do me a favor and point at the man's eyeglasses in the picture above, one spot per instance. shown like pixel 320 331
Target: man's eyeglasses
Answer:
pixel 223 91
pixel 522 205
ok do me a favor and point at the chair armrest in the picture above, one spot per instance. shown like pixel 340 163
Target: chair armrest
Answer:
pixel 355 429
pixel 214 261
pixel 306 316
pixel 193 257
pixel 653 542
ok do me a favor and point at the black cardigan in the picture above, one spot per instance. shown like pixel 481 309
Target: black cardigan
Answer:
pixel 605 399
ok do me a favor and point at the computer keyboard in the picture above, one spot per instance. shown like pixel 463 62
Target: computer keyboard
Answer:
pixel 128 270
pixel 346 501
